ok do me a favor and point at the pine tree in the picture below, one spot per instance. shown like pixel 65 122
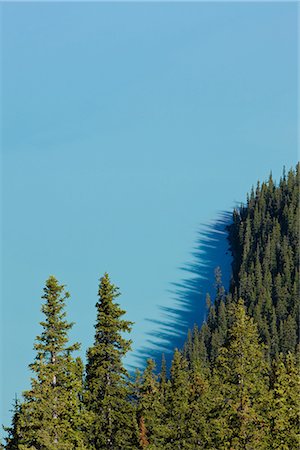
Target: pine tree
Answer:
pixel 151 410
pixel 13 439
pixel 240 388
pixel 285 405
pixel 199 398
pixel 50 417
pixel 107 394
pixel 163 375
pixel 178 405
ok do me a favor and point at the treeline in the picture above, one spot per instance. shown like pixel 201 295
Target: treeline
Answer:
pixel 236 383
pixel 264 242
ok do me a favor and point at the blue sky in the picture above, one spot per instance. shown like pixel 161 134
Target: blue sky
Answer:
pixel 125 128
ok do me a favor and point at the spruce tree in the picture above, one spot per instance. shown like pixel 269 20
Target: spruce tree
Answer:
pixel 163 375
pixel 199 398
pixel 50 418
pixel 239 387
pixel 13 437
pixel 107 391
pixel 151 410
pixel 284 410
pixel 178 405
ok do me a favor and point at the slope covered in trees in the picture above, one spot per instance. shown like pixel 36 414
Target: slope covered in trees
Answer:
pixel 264 241
pixel 234 385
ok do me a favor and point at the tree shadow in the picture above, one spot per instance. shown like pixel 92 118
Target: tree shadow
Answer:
pixel 170 331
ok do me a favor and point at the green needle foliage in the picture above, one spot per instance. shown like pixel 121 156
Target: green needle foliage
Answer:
pixel 199 404
pixel 107 394
pixel 178 404
pixel 284 411
pixel 13 440
pixel 264 239
pixel 50 417
pixel 151 410
pixel 240 382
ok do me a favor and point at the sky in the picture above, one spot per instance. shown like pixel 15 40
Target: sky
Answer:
pixel 126 129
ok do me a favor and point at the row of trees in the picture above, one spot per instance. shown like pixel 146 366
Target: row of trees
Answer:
pixel 234 385
pixel 239 402
pixel 64 409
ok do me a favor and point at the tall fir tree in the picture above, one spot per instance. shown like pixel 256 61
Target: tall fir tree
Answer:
pixel 178 404
pixel 284 411
pixel 199 404
pixel 50 417
pixel 107 391
pixel 240 388
pixel 151 409
pixel 13 438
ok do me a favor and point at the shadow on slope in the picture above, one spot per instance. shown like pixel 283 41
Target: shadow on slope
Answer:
pixel 189 295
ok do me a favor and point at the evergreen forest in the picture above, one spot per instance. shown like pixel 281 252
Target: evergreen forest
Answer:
pixel 234 385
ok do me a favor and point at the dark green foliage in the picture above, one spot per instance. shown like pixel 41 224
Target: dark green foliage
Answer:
pixel 199 405
pixel 151 409
pixel 163 374
pixel 264 239
pixel 178 404
pixel 13 438
pixel 240 386
pixel 51 415
pixel 107 390
pixel 284 412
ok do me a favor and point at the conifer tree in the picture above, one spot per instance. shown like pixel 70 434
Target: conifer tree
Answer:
pixel 13 438
pixel 199 402
pixel 240 388
pixel 50 417
pixel 113 424
pixel 151 410
pixel 178 404
pixel 163 374
pixel 285 405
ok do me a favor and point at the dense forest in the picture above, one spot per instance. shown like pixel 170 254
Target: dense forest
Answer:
pixel 234 385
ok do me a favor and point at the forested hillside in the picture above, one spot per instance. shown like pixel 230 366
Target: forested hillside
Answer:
pixel 236 383
pixel 264 241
